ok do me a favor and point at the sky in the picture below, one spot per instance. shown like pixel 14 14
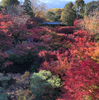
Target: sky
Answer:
pixel 58 3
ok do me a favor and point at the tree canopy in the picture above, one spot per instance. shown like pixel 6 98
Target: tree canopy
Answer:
pixel 27 8
pixel 69 14
pixel 92 6
pixel 50 15
pixel 79 6
pixel 6 3
pixel 54 14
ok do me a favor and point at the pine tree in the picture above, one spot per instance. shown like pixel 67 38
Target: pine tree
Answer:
pixel 27 8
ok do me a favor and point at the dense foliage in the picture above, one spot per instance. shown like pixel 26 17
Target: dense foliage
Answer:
pixel 54 14
pixel 27 8
pixel 44 85
pixel 6 3
pixel 79 6
pixel 91 6
pixel 3 96
pixel 67 12
pixel 50 63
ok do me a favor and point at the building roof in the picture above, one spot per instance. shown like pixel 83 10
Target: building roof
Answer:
pixel 51 23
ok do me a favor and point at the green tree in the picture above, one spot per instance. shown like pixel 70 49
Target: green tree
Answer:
pixel 6 3
pixel 50 16
pixel 91 6
pixel 54 14
pixel 57 17
pixel 69 14
pixel 27 8
pixel 45 86
pixel 79 6
pixel 58 14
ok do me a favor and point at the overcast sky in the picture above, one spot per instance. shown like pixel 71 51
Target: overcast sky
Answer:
pixel 58 3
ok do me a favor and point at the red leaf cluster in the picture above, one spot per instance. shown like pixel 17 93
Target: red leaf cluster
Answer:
pixel 81 81
pixel 66 30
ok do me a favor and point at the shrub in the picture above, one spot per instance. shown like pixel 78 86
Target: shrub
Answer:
pixel 23 56
pixel 41 46
pixel 76 23
pixel 23 53
pixel 59 66
pixel 94 52
pixel 80 33
pixel 24 95
pixel 32 22
pixel 97 38
pixel 5 42
pixel 4 62
pixel 38 19
pixel 10 33
pixel 56 45
pixel 3 95
pixel 4 80
pixel 44 85
pixel 24 80
pixel 2 58
pixel 16 32
pixel 58 41
pixel 90 23
pixel 82 81
pixel 47 56
pixel 66 30
pixel 34 67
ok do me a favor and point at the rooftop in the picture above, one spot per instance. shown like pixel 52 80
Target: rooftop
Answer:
pixel 51 23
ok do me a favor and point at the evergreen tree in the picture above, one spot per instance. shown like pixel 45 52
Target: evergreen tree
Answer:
pixel 27 8
pixel 6 3
pixel 50 16
pixel 79 6
pixel 69 14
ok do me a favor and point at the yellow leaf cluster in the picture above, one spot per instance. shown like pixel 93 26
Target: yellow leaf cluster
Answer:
pixel 94 53
pixel 90 23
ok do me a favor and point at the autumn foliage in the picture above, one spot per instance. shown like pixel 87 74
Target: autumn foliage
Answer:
pixel 68 52
pixel 82 81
